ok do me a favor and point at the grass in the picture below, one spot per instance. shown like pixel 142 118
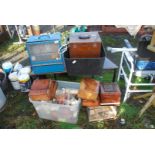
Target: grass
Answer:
pixel 19 113
pixel 118 40
pixel 130 113
pixel 10 46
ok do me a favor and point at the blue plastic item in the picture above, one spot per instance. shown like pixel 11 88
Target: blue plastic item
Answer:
pixel 144 59
pixel 45 53
pixel 145 65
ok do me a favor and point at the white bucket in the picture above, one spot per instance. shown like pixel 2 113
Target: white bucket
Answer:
pixel 7 66
pixel 25 70
pixel 13 77
pixel 25 82
pixel 2 98
pixel 17 67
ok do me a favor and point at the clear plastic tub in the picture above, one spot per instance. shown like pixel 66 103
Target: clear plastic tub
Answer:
pixel 59 112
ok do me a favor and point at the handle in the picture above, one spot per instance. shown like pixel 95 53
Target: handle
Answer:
pixel 63 49
pixel 84 36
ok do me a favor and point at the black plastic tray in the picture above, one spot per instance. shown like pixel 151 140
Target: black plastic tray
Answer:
pixel 84 66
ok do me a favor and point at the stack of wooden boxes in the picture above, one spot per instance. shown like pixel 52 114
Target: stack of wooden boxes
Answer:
pixel 101 99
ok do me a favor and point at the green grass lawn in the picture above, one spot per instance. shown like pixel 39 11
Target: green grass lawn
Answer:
pixel 10 46
pixel 19 113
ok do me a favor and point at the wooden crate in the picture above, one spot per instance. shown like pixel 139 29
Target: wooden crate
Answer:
pixel 101 113
pixel 85 45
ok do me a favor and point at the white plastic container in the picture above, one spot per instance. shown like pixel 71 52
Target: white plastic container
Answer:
pixel 7 66
pixel 25 70
pixel 59 112
pixel 2 99
pixel 13 77
pixel 17 67
pixel 25 82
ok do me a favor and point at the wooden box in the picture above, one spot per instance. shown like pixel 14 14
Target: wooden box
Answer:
pixel 110 94
pixel 101 113
pixel 84 45
pixel 91 103
pixel 89 89
pixel 43 90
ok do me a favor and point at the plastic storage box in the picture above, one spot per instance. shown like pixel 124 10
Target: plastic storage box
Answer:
pixel 59 112
pixel 84 66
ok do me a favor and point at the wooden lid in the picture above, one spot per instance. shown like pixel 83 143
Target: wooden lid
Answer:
pixel 109 87
pixel 41 84
pixel 84 37
pixel 89 84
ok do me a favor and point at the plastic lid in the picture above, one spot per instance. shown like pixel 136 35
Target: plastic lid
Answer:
pixel 23 77
pixel 7 65
pixel 13 76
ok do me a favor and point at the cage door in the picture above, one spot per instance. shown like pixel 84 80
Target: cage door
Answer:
pixel 44 52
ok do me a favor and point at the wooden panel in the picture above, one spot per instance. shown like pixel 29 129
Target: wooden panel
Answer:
pixel 43 90
pixel 91 103
pixel 89 89
pixel 110 93
pixel 102 113
pixel 85 50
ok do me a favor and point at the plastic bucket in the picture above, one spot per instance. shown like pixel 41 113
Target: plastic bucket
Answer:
pixel 17 67
pixel 25 82
pixel 13 77
pixel 2 98
pixel 25 70
pixel 7 66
